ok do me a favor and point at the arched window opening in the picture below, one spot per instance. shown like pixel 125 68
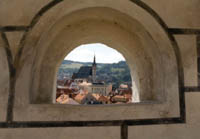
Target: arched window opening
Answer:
pixel 94 74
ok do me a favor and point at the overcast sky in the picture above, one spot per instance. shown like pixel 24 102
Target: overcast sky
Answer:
pixel 104 54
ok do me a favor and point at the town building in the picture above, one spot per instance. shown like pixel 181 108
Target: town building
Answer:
pixel 100 88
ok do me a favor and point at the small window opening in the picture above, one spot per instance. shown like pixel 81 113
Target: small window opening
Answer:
pixel 94 74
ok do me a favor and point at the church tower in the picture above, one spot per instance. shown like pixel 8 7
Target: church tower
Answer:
pixel 94 70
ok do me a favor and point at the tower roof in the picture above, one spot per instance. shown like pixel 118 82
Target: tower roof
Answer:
pixel 94 61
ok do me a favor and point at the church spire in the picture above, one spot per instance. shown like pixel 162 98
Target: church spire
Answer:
pixel 94 70
pixel 94 61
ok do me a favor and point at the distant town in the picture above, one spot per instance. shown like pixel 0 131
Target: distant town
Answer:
pixel 85 87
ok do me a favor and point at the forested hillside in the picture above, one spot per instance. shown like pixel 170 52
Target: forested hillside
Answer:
pixel 115 73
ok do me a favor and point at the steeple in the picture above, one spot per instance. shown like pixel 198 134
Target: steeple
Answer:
pixel 94 61
pixel 94 70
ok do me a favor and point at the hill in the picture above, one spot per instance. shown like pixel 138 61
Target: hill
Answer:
pixel 115 73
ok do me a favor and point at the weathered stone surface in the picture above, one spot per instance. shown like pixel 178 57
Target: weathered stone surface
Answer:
pixel 4 82
pixel 19 13
pixel 174 131
pixel 188 48
pixel 14 39
pixel 62 133
pixel 121 24
pixel 176 13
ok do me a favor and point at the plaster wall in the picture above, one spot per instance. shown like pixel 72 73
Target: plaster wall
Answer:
pixel 4 81
pixel 49 32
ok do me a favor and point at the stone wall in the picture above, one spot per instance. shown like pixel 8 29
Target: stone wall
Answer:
pixel 159 39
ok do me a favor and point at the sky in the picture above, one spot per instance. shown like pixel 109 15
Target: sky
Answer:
pixel 103 53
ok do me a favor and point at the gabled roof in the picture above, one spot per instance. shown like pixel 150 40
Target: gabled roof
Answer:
pixel 103 98
pixel 64 99
pixel 96 96
pixel 80 96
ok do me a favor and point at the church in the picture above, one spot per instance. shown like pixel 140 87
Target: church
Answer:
pixel 88 74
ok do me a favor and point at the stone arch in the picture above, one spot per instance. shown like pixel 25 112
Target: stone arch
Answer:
pixel 33 43
pixel 92 25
